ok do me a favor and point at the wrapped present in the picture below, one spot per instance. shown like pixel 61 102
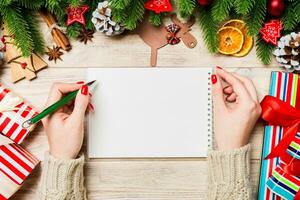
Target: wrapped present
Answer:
pixel 16 163
pixel 280 166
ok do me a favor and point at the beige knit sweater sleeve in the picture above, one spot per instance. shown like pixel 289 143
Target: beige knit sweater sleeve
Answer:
pixel 62 179
pixel 229 174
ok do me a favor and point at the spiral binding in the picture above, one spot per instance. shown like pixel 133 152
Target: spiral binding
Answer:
pixel 209 115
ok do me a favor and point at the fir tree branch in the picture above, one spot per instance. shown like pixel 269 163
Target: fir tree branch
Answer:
pixel 119 4
pixel 119 15
pixel 256 17
pixel 243 7
pixel 155 19
pixel 5 2
pixel 186 7
pixel 92 6
pixel 31 4
pixel 209 29
pixel 264 50
pixel 74 30
pixel 135 14
pixel 291 15
pixel 74 3
pixel 37 38
pixel 221 9
pixel 17 26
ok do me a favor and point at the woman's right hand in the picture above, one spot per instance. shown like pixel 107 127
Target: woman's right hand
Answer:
pixel 235 108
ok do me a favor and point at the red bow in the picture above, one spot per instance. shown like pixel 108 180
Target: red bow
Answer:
pixel 279 113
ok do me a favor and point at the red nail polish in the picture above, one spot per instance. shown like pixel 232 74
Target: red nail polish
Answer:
pixel 84 90
pixel 213 78
pixel 80 82
pixel 219 67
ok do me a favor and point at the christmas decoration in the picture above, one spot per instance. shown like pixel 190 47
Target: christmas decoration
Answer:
pixel 280 155
pixel 271 31
pixel 21 67
pixel 248 40
pixel 16 162
pixel 158 6
pixel 102 20
pixel 231 40
pixel 86 35
pixel 56 31
pixel 204 2
pixel 287 52
pixel 54 53
pixel 275 7
pixel 172 34
pixel 76 14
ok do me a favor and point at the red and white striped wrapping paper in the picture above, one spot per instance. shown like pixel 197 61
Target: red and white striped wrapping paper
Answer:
pixel 16 163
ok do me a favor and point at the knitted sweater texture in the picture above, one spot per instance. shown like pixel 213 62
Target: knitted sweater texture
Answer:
pixel 228 178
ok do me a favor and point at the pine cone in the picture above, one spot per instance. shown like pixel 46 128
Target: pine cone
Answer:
pixel 103 22
pixel 287 52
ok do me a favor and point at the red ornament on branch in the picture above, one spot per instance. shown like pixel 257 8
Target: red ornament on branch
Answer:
pixel 76 14
pixel 158 6
pixel 275 7
pixel 204 2
pixel 271 31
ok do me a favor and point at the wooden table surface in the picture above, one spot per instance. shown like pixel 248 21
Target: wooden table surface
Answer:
pixel 143 179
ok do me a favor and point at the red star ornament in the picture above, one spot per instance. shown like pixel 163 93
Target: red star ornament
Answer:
pixel 158 6
pixel 75 14
pixel 271 31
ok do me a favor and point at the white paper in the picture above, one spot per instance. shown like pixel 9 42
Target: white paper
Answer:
pixel 149 112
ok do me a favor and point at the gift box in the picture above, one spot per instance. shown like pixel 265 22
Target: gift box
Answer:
pixel 16 163
pixel 280 168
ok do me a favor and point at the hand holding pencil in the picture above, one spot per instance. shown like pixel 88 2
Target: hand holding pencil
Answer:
pixel 65 127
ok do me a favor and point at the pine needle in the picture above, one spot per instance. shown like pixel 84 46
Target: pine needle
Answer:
pixel 135 14
pixel 186 7
pixel 221 9
pixel 119 4
pixel 209 29
pixel 155 19
pixel 243 7
pixel 290 17
pixel 264 50
pixel 256 17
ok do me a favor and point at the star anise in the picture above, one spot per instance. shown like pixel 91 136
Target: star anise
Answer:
pixel 54 53
pixel 86 35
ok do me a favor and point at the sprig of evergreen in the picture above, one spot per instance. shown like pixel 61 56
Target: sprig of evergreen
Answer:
pixel 243 7
pixel 209 29
pixel 264 50
pixel 155 19
pixel 220 9
pixel 119 4
pixel 256 17
pixel 186 7
pixel 291 15
pixel 135 14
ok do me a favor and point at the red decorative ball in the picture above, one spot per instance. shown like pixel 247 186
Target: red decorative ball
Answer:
pixel 204 2
pixel 275 7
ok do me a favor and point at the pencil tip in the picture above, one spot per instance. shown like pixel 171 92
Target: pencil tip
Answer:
pixel 91 83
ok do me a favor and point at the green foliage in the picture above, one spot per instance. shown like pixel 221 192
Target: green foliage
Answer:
pixel 119 4
pixel 186 7
pixel 155 19
pixel 264 50
pixel 221 9
pixel 209 29
pixel 74 30
pixel 256 17
pixel 243 7
pixel 135 14
pixel 291 16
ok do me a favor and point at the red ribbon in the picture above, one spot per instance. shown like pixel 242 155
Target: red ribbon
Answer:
pixel 279 113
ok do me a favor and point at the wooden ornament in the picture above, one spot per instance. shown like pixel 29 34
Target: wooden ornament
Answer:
pixel 21 67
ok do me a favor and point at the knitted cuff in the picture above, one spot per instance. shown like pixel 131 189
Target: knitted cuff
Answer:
pixel 63 176
pixel 229 166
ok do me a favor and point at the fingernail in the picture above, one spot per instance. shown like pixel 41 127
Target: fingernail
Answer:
pixel 92 107
pixel 80 82
pixel 213 78
pixel 84 90
pixel 219 67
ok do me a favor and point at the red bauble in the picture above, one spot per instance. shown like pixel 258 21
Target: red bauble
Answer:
pixel 158 6
pixel 204 2
pixel 275 7
pixel 75 14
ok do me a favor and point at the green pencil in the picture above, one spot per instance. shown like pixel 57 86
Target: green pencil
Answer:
pixel 53 107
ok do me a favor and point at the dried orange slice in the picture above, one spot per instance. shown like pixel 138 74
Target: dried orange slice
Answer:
pixel 231 40
pixel 248 40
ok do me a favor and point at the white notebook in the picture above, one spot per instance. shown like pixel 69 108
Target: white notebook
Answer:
pixel 150 112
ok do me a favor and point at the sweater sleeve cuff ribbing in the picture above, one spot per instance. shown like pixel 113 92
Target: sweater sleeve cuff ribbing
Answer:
pixel 229 166
pixel 62 177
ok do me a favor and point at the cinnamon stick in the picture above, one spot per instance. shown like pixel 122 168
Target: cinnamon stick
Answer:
pixel 59 37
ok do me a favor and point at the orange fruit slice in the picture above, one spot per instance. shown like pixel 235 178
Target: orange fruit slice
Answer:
pixel 231 40
pixel 248 40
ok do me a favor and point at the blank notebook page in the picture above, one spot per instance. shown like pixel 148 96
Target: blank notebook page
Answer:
pixel 150 112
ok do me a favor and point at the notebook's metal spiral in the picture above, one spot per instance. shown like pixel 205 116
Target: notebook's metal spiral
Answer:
pixel 209 113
